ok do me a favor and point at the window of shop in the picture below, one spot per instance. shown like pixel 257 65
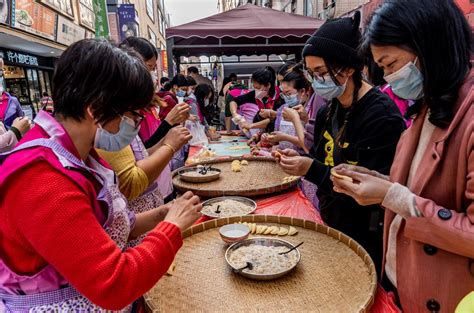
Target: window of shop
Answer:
pixel 15 83
pixel 150 9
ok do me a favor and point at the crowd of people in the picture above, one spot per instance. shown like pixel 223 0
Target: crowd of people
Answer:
pixel 380 126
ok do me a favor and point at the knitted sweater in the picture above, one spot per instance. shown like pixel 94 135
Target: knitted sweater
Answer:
pixel 46 219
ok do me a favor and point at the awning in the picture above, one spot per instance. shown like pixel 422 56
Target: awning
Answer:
pixel 245 30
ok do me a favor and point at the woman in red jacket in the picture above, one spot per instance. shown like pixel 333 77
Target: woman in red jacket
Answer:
pixel 64 225
pixel 424 49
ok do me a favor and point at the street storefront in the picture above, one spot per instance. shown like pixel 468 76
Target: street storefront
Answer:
pixel 27 76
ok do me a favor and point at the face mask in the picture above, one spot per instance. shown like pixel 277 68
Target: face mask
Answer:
pixel 260 94
pixel 407 82
pixel 116 142
pixel 206 102
pixel 180 93
pixel 328 89
pixel 291 100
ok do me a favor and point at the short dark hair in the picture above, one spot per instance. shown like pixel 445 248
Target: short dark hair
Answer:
pixel 163 80
pixel 191 81
pixel 193 69
pixel 232 75
pixel 179 80
pixel 45 94
pixel 94 73
pixel 140 45
pixel 438 33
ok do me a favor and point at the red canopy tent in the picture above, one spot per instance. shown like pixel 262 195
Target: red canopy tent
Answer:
pixel 245 30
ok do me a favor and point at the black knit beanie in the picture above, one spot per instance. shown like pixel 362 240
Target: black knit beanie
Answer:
pixel 337 41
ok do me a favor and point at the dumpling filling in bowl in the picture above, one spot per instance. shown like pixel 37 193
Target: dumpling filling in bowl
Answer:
pixel 265 259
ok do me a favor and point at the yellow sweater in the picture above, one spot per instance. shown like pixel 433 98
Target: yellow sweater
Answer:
pixel 132 179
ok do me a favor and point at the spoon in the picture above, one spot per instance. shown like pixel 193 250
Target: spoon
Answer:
pixel 281 253
pixel 218 210
pixel 249 266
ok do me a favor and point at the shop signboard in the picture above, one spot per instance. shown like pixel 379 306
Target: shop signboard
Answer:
pixel 127 25
pixel 5 10
pixel 24 59
pixel 126 21
pixel 69 32
pixel 34 18
pixel 101 20
pixel 63 7
pixel 86 14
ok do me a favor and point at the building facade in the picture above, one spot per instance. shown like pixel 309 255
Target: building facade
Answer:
pixel 142 18
pixel 33 34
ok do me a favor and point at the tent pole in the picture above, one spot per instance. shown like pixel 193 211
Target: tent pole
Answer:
pixel 169 53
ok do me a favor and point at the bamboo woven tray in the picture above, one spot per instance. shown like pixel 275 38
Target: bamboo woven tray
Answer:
pixel 262 176
pixel 335 274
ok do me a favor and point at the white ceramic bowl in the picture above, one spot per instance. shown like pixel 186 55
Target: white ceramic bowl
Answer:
pixel 234 232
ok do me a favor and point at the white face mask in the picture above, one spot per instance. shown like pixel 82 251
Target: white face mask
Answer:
pixel 116 142
pixel 260 94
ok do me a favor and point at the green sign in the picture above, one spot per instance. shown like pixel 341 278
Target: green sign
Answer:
pixel 101 21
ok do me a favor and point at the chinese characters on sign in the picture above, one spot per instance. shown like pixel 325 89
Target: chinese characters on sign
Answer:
pixel 20 58
pixel 126 21
pixel 101 20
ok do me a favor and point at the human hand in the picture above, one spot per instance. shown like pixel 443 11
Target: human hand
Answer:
pixel 237 118
pixel 177 137
pixel 178 114
pixel 161 212
pixel 360 169
pixel 265 113
pixel 184 211
pixel 303 114
pixel 295 165
pixel 287 152
pixel 275 137
pixel 365 188
pixel 290 114
pixel 23 124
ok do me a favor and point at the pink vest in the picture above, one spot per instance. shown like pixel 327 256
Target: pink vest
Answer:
pixel 49 141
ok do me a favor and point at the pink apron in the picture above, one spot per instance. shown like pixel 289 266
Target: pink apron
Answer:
pixel 152 197
pixel 47 290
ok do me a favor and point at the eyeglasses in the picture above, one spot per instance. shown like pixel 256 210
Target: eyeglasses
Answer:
pixel 135 121
pixel 310 75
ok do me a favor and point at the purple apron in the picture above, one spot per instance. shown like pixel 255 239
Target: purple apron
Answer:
pixel 286 127
pixel 43 291
pixel 152 197
pixel 248 111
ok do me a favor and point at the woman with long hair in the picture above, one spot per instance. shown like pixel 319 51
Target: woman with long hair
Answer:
pixel 424 49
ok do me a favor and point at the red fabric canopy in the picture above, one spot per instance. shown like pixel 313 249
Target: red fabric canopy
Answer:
pixel 245 30
pixel 247 21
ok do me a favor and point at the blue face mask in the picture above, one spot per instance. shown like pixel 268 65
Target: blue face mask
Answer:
pixel 291 100
pixel 328 89
pixel 180 93
pixel 116 142
pixel 206 102
pixel 407 82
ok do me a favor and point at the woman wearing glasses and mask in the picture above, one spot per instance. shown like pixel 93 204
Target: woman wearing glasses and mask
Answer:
pixel 424 49
pixel 64 225
pixel 360 125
